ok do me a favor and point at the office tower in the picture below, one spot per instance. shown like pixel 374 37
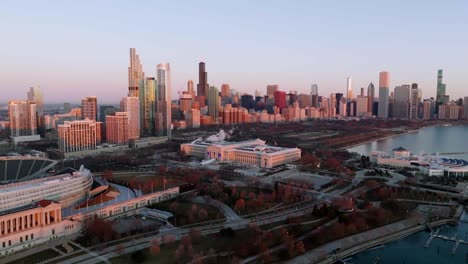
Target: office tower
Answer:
pixel 225 90
pixel 136 76
pixel 280 99
pixel 131 105
pixel 117 128
pixel 338 97
pixel 441 90
pixel 79 135
pixel 66 107
pixel 192 117
pixel 89 108
pixel 23 118
pixel 401 101
pixel 291 97
pixel 384 88
pixel 304 100
pixel 270 104
pixel 314 95
pixel 465 107
pixel 362 109
pixel 35 95
pixel 185 102
pixel 349 89
pixel 362 91
pixel 105 110
pixel 148 106
pixel 332 106
pixel 247 101
pixel 190 89
pixel 213 103
pixel 271 89
pixel 415 101
pixel 163 118
pixel 370 97
pixel 202 86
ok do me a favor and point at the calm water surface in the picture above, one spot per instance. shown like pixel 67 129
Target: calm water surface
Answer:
pixel 442 139
pixel 410 250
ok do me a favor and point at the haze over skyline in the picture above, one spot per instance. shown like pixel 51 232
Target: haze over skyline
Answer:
pixel 78 49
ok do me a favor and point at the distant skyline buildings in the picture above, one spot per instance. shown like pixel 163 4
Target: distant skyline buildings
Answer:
pixel 135 74
pixel 89 108
pixel 349 88
pixel 23 118
pixel 384 90
pixel 163 100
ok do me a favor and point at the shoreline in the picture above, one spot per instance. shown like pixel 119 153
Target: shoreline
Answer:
pixel 401 134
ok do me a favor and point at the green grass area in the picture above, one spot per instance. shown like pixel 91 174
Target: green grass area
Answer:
pixel 37 257
pixel 186 213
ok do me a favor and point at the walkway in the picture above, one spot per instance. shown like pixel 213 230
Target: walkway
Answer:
pixel 227 211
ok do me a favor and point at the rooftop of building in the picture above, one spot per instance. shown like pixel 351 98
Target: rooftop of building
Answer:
pixel 66 176
pixel 41 203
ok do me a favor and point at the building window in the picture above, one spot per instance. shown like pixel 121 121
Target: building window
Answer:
pixel 53 231
pixel 9 242
pixel 32 236
pixel 3 244
pixel 21 239
pixel 27 237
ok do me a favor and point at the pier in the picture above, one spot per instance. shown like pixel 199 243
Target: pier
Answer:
pixel 446 238
pixel 431 237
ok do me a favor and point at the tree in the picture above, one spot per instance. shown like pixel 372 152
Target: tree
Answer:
pixel 155 248
pixel 240 205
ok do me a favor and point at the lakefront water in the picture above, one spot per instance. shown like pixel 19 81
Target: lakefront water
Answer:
pixel 441 139
pixel 410 250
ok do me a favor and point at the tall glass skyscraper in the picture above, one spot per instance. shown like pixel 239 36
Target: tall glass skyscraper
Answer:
pixel 163 117
pixel 402 99
pixel 441 90
pixel 148 106
pixel 370 97
pixel 384 89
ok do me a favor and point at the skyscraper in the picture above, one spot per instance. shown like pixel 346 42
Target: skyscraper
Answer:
pixel 148 105
pixel 415 101
pixel 384 88
pixel 338 97
pixel 271 89
pixel 202 86
pixel 190 89
pixel 163 118
pixel 370 97
pixel 78 135
pixel 136 75
pixel 280 99
pixel 314 95
pixel 131 105
pixel 349 89
pixel 213 103
pixel 402 100
pixel 22 116
pixel 89 108
pixel 441 89
pixel 35 95
pixel 225 90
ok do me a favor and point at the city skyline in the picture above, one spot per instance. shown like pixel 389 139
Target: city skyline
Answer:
pixel 95 62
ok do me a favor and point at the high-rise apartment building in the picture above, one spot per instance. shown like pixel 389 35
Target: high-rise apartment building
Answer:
pixel 23 118
pixel 192 118
pixel 136 76
pixel 213 103
pixel 89 108
pixel 401 101
pixel 79 135
pixel 185 102
pixel 415 101
pixel 349 89
pixel 361 105
pixel 117 128
pixel 384 89
pixel 225 90
pixel 271 89
pixel 163 118
pixel 428 109
pixel 339 110
pixel 35 95
pixel 148 106
pixel 131 105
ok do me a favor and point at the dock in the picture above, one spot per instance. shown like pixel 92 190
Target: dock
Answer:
pixel 431 237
